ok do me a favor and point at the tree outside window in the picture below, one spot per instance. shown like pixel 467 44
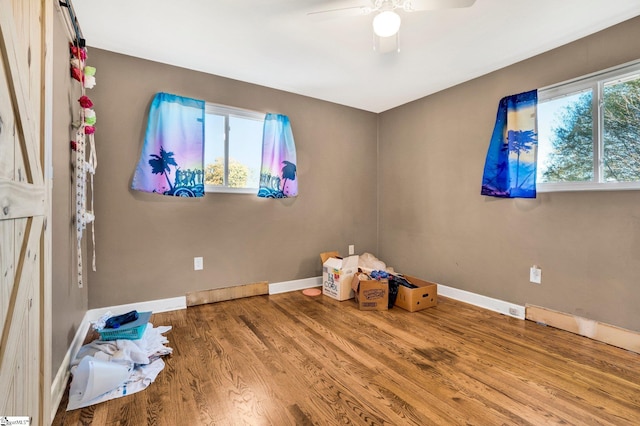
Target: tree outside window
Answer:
pixel 569 124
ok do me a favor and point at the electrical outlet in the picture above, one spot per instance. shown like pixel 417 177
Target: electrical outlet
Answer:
pixel 535 275
pixel 352 249
pixel 198 264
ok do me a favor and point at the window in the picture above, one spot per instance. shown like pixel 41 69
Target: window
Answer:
pixel 232 149
pixel 589 132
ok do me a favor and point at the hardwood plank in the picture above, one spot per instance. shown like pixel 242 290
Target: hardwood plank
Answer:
pixel 292 359
pixel 536 367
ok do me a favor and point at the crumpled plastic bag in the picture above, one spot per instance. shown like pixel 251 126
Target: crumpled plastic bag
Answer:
pixel 368 262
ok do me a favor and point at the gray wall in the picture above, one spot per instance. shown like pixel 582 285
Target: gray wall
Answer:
pixel 435 224
pixel 146 242
pixel 69 302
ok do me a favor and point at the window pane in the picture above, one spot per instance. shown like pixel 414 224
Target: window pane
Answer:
pixel 565 139
pixel 245 152
pixel 214 149
pixel 621 130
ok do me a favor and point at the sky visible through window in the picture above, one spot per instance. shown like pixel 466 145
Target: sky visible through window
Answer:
pixel 245 144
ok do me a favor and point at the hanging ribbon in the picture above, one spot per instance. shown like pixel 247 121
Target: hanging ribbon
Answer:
pixel 85 156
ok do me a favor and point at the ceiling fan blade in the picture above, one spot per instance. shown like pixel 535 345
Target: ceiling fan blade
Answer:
pixel 417 5
pixel 340 13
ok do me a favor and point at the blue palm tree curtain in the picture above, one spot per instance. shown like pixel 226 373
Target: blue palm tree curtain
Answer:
pixel 172 158
pixel 278 174
pixel 510 167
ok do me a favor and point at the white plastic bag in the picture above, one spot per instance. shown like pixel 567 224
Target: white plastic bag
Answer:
pixel 369 262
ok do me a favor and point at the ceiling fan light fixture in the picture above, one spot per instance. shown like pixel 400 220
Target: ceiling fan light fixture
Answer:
pixel 386 23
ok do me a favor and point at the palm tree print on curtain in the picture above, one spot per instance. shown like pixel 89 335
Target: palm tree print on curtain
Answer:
pixel 278 174
pixel 510 166
pixel 160 164
pixel 172 158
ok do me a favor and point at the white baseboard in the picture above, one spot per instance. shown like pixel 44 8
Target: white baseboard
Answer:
pixel 59 384
pixel 496 305
pixel 160 305
pixel 294 285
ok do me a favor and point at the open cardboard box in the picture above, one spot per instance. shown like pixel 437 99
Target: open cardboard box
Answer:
pixel 417 299
pixel 337 274
pixel 371 295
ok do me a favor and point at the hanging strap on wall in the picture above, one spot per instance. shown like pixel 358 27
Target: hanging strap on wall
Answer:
pixel 85 168
pixel 71 21
pixel 80 179
pixel 85 156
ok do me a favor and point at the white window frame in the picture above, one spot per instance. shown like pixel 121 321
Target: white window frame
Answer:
pixel 226 111
pixel 596 83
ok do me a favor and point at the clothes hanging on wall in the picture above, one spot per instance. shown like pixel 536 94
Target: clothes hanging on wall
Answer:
pixel 278 174
pixel 510 166
pixel 172 158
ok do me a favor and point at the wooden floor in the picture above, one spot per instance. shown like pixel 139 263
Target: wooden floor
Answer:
pixel 289 359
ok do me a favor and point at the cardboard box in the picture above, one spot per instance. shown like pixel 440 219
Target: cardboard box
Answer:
pixel 329 254
pixel 417 299
pixel 371 295
pixel 336 276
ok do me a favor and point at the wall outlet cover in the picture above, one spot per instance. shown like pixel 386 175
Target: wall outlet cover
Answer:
pixel 535 275
pixel 198 264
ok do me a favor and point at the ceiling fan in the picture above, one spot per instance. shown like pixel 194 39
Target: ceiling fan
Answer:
pixel 386 22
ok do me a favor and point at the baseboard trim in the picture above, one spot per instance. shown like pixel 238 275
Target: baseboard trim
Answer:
pixel 160 305
pixel 602 332
pixel 59 384
pixel 286 286
pixel 202 297
pixel 495 305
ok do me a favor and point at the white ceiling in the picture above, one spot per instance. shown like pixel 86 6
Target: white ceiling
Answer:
pixel 275 43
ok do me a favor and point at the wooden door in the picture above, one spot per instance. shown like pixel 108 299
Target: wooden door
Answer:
pixel 25 277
